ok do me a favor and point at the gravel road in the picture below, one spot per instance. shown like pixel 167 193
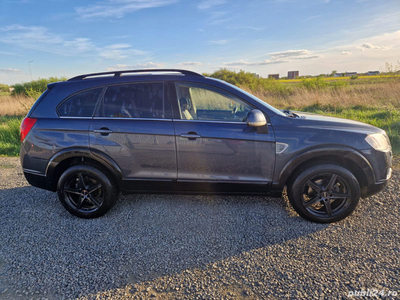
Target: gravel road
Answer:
pixel 192 247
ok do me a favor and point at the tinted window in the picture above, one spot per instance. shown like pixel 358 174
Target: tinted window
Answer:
pixel 201 103
pixel 80 105
pixel 144 100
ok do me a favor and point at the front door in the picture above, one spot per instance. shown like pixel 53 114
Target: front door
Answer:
pixel 214 143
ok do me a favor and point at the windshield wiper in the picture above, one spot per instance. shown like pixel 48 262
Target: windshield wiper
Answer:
pixel 290 114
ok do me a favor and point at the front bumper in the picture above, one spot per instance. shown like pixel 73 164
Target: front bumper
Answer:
pixel 377 187
pixel 381 164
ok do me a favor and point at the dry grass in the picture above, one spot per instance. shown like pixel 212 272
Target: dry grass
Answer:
pixel 15 105
pixel 377 95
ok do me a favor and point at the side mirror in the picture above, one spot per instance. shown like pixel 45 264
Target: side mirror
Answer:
pixel 256 118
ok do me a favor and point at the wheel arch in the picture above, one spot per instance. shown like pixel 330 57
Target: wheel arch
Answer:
pixel 72 156
pixel 350 159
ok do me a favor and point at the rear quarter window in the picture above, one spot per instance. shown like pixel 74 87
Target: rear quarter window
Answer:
pixel 81 104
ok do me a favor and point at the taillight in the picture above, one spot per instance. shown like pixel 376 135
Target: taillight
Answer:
pixel 26 126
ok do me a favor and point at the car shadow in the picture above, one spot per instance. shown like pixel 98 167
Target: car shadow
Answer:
pixel 143 237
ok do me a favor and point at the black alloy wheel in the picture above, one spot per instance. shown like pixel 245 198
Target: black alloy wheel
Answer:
pixel 83 192
pixel 87 191
pixel 324 193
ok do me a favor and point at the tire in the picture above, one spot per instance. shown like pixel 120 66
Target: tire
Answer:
pixel 87 191
pixel 324 193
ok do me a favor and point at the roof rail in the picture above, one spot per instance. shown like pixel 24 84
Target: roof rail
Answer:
pixel 118 73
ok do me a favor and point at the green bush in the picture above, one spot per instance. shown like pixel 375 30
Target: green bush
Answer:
pixel 339 84
pixel 35 88
pixel 354 77
pixel 4 87
pixel 251 82
pixel 314 84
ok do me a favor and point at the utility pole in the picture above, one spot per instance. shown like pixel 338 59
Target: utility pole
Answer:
pixel 29 64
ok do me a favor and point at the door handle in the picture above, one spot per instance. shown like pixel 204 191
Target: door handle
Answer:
pixel 103 131
pixel 190 135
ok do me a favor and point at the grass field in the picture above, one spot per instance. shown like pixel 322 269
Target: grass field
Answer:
pixel 15 105
pixel 375 101
pixel 9 135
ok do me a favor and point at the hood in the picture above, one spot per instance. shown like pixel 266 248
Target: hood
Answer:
pixel 334 123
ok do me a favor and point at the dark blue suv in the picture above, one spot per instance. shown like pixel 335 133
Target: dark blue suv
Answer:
pixel 96 135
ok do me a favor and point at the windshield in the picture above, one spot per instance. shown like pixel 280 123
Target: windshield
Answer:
pixel 275 110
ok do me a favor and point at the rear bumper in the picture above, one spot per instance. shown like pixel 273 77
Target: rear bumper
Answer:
pixel 39 181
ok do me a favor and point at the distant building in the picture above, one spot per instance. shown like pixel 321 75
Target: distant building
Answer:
pixel 346 74
pixel 373 73
pixel 11 89
pixel 275 76
pixel 293 74
pixel 256 75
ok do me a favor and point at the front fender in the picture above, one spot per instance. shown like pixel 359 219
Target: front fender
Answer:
pixel 336 153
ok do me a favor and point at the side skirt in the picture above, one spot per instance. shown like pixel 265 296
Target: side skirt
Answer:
pixel 195 187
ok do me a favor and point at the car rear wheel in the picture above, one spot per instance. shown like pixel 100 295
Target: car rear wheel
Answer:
pixel 324 193
pixel 87 191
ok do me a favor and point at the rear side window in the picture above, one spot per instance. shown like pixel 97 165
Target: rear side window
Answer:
pixel 81 104
pixel 139 100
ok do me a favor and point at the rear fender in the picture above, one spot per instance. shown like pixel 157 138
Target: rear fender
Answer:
pixel 83 153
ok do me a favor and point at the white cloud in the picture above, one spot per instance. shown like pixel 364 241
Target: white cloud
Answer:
pixel 119 51
pixel 294 54
pixel 244 62
pixel 368 46
pixel 10 71
pixel 119 46
pixel 80 44
pixel 307 57
pixel 24 35
pixel 218 17
pixel 190 63
pixel 206 4
pixel 376 51
pixel 149 65
pixel 118 8
pixel 218 42
pixel 41 39
pixel 245 27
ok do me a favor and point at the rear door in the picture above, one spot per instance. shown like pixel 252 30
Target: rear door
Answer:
pixel 214 143
pixel 133 126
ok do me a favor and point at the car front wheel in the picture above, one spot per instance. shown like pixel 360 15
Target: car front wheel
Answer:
pixel 324 193
pixel 87 191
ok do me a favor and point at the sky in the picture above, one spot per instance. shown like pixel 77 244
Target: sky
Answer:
pixel 43 38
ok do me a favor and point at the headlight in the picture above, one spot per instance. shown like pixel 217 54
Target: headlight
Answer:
pixel 378 141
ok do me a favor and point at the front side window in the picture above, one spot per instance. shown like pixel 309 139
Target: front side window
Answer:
pixel 201 103
pixel 81 104
pixel 142 100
